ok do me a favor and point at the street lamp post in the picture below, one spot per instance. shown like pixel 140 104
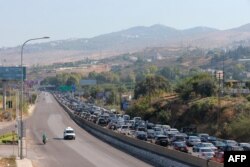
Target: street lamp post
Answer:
pixel 21 113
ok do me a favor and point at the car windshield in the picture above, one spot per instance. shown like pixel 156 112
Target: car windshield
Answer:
pixel 245 144
pixel 219 143
pixel 237 149
pixel 181 144
pixel 194 137
pixel 150 131
pixel 231 142
pixel 162 138
pixel 208 145
pixel 69 131
pixel 157 129
pixel 206 150
pixel 124 127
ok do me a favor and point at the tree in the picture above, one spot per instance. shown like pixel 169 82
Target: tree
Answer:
pixel 168 73
pixel 151 86
pixel 71 81
pixel 206 87
pixel 201 84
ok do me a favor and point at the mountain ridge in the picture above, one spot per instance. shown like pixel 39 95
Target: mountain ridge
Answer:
pixel 134 39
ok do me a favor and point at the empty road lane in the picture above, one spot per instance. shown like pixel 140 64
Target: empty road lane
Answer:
pixel 86 150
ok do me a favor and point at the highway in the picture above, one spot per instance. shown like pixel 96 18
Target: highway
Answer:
pixel 86 150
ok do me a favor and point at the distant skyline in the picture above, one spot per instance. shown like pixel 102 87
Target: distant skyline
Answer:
pixel 64 19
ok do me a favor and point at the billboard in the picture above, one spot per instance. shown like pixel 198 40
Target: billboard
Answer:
pixel 12 73
pixel 85 82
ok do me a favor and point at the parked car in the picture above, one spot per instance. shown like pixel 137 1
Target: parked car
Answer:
pixel 93 118
pixel 141 128
pixel 137 119
pixel 123 129
pixel 230 142
pixel 150 125
pixel 166 127
pixel 180 146
pixel 101 122
pixel 193 140
pixel 178 137
pixel 233 148
pixel 245 146
pixel 112 125
pixel 218 157
pixel 205 152
pixel 126 117
pixel 203 137
pixel 158 131
pixel 150 133
pixel 207 145
pixel 211 139
pixel 219 144
pixel 141 135
pixel 161 140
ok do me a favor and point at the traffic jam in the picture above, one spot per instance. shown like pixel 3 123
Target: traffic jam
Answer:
pixel 198 144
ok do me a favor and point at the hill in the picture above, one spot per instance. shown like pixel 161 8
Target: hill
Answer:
pixel 129 40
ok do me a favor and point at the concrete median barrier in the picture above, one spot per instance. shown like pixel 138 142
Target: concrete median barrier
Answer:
pixel 156 155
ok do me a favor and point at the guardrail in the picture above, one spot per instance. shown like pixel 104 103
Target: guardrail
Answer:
pixel 166 156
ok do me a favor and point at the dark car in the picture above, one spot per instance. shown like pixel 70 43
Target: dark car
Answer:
pixel 233 148
pixel 161 140
pixel 177 138
pixel 219 144
pixel 141 128
pixel 180 146
pixel 93 118
pixel 141 135
pixel 150 125
pixel 101 122
pixel 112 125
pixel 211 139
pixel 151 133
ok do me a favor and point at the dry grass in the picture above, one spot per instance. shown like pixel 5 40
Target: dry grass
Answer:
pixel 8 162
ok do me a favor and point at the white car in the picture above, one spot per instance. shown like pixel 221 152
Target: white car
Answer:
pixel 193 140
pixel 208 145
pixel 69 133
pixel 205 152
pixel 124 129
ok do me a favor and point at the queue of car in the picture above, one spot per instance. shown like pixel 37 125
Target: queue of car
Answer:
pixel 202 145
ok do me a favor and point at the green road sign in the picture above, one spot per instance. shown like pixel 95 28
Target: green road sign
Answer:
pixel 65 88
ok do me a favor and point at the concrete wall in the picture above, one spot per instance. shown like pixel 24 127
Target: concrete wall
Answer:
pixel 156 155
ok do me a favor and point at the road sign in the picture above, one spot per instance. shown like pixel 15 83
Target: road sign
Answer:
pixel 12 73
pixel 85 82
pixel 73 88
pixel 65 88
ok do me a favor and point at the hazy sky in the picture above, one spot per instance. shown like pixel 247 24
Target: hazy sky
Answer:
pixel 63 19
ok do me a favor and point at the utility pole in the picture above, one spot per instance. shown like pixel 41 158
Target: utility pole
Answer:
pixel 219 101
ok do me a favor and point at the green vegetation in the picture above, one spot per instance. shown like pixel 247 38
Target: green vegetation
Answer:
pixel 151 86
pixel 174 91
pixel 10 113
pixel 239 128
pixel 63 79
pixel 8 137
pixel 199 85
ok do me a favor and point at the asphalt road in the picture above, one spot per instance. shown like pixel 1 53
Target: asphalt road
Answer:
pixel 86 150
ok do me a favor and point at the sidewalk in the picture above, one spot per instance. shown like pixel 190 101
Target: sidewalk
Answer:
pixel 24 162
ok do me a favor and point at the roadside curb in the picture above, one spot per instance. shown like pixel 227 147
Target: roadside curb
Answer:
pixel 23 162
